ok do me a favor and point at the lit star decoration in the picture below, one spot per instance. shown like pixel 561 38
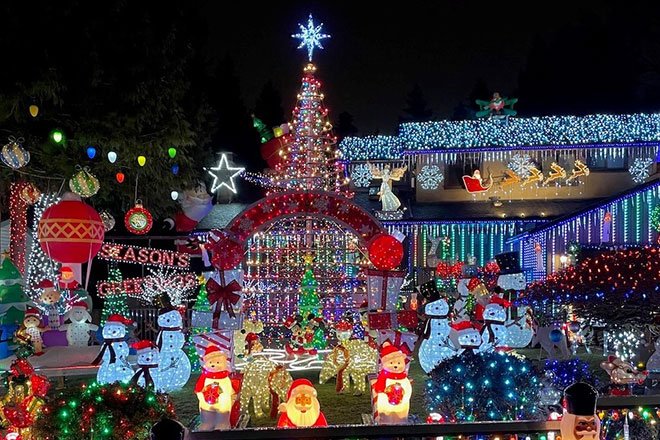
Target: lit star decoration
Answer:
pixel 223 175
pixel 310 36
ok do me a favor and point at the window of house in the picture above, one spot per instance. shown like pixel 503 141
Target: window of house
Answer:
pixel 606 162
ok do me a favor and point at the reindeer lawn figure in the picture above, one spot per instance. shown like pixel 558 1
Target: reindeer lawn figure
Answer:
pixel 266 385
pixel 623 376
pixel 351 360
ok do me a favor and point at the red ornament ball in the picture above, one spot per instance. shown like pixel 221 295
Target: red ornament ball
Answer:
pixel 385 252
pixel 138 220
pixel 71 232
pixel 227 252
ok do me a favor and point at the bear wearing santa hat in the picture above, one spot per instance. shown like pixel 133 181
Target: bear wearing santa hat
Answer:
pixel 392 389
pixel 215 391
pixel 302 408
pixel 580 421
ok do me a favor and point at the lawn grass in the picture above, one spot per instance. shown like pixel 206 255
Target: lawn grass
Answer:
pixel 344 408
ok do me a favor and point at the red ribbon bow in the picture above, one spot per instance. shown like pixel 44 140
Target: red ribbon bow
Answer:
pixel 225 296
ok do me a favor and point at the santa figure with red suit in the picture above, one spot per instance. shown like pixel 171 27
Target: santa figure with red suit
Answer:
pixel 302 407
pixel 215 391
pixel 392 389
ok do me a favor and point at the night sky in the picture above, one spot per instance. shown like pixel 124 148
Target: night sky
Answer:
pixel 378 52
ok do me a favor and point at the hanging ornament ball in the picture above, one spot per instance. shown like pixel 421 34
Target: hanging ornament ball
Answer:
pixel 30 194
pixel 385 252
pixel 71 231
pixel 138 220
pixel 91 152
pixel 172 152
pixel 112 156
pixel 84 183
pixel 120 177
pixel 14 155
pixel 175 169
pixel 556 335
pixel 574 326
pixel 142 160
pixel 227 252
pixel 34 110
pixel 108 220
pixel 174 195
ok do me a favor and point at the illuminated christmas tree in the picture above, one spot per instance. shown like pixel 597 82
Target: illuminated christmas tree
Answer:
pixel 201 311
pixel 115 302
pixel 40 267
pixel 275 259
pixel 310 161
pixel 309 301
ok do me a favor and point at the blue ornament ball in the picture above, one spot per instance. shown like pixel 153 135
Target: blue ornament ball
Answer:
pixel 556 335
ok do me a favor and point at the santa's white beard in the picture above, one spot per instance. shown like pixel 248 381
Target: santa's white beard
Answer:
pixel 568 429
pixel 308 418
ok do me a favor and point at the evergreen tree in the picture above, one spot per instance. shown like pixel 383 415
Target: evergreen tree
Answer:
pixel 129 81
pixel 268 106
pixel 417 108
pixel 116 302
pixel 344 126
pixel 467 108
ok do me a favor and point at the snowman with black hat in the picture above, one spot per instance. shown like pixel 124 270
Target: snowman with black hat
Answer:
pixel 580 421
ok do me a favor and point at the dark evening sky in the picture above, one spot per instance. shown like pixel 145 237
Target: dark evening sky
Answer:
pixel 377 52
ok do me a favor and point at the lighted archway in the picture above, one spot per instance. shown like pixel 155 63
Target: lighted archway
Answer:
pixel 262 214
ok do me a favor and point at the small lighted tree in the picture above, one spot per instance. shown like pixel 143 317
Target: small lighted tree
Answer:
pixel 115 302
pixel 202 306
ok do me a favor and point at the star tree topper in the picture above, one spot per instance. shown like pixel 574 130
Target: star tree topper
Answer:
pixel 310 36
pixel 223 175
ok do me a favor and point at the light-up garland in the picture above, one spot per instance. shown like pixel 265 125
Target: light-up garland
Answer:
pixel 18 225
pixel 122 253
pixel 104 411
pixel 40 267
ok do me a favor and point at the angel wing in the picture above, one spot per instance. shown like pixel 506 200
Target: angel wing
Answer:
pixel 397 173
pixel 375 172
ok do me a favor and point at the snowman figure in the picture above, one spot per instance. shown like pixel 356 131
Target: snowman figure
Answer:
pixel 115 367
pixel 467 337
pixel 495 322
pixel 147 372
pixel 653 363
pixel 174 364
pixel 436 346
pixel 511 277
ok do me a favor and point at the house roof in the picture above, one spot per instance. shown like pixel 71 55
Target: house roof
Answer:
pixel 519 133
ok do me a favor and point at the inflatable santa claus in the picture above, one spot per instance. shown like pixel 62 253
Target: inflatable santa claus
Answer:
pixel 302 408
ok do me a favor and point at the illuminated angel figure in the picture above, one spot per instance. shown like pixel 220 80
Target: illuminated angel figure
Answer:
pixel 389 201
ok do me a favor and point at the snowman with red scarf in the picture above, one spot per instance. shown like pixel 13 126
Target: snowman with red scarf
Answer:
pixel 392 389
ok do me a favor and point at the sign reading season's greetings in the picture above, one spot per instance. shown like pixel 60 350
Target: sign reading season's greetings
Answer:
pixel 137 286
pixel 143 255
